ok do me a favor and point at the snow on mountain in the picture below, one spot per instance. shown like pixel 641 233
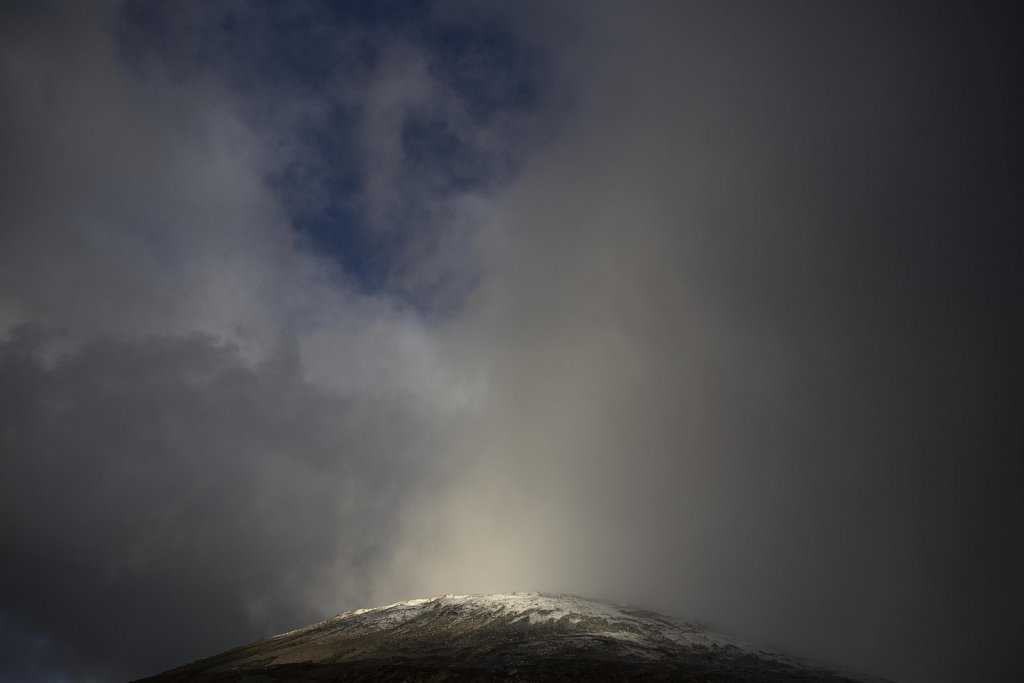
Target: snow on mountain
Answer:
pixel 506 636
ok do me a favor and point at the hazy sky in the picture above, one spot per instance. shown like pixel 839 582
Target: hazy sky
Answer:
pixel 713 308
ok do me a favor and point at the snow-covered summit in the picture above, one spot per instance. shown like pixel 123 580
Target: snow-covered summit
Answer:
pixel 504 636
pixel 645 632
pixel 535 607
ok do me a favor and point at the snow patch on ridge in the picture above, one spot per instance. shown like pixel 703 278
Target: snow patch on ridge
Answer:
pixel 645 633
pixel 639 630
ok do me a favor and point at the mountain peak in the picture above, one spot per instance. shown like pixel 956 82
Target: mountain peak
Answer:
pixel 501 636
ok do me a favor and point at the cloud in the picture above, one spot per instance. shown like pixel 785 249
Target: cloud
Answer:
pixel 175 498
pixel 135 207
pixel 746 346
pixel 209 423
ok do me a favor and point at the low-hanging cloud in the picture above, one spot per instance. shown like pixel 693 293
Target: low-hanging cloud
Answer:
pixel 208 426
pixel 165 493
pixel 747 345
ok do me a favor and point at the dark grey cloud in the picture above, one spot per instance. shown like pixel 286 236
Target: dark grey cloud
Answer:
pixel 207 429
pixel 163 498
pixel 715 309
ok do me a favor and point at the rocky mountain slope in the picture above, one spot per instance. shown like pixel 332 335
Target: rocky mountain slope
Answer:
pixel 517 636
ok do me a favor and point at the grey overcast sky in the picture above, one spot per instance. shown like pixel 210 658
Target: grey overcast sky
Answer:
pixel 709 307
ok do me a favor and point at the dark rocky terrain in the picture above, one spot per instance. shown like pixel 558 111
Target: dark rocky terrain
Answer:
pixel 515 636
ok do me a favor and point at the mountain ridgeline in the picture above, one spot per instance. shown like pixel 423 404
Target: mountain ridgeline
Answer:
pixel 512 636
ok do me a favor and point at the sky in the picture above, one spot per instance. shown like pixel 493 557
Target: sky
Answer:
pixel 710 308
